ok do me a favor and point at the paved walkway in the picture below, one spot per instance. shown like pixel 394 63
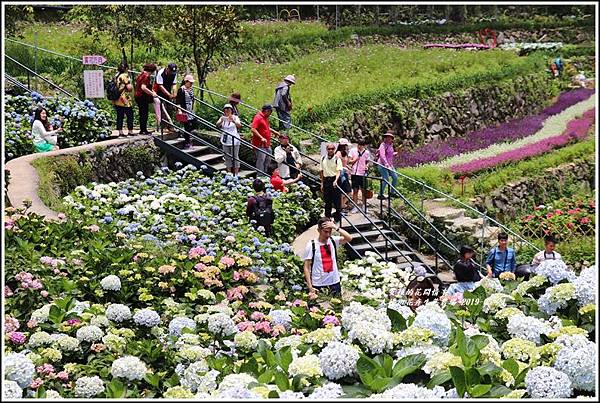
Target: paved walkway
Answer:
pixel 24 180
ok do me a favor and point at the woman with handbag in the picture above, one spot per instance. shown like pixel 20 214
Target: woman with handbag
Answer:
pixel 185 99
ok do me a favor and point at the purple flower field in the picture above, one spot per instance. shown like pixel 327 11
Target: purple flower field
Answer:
pixel 512 130
pixel 576 130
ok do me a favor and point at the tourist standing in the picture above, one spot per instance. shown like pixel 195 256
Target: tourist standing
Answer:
pixel 230 124
pixel 185 99
pixel 385 157
pixel 259 207
pixel 45 138
pixel 465 271
pixel 501 258
pixel 144 95
pixel 331 169
pixel 342 153
pixel 234 100
pixel 283 102
pixel 359 161
pixel 320 260
pixel 261 138
pixel 123 105
pixel 548 253
pixel 288 158
pixel 163 86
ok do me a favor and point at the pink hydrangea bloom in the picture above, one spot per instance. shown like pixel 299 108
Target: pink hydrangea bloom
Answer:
pixel 331 320
pixel 11 324
pixel 227 261
pixel 45 369
pixel 257 316
pixel 246 325
pixel 196 251
pixel 17 338
pixel 264 327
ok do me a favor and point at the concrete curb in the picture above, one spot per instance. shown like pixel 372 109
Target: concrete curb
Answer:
pixel 24 179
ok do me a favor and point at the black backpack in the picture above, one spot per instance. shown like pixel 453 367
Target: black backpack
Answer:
pixel 112 89
pixel 263 211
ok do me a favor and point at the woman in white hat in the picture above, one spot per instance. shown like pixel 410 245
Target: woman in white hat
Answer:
pixel 385 157
pixel 185 99
pixel 230 138
pixel 283 102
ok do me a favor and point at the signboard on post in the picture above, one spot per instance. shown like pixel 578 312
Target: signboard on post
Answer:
pixel 93 81
pixel 94 59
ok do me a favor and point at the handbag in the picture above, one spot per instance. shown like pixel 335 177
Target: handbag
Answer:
pixel 181 117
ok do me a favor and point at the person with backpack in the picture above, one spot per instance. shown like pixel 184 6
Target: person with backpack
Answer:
pixel 360 158
pixel 118 91
pixel 331 169
pixel 282 102
pixel 320 260
pixel 260 207
pixel 144 95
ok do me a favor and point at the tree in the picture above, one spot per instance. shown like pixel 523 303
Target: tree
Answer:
pixel 13 15
pixel 208 32
pixel 129 25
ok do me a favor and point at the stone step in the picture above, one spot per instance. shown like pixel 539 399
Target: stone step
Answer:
pixel 380 246
pixel 464 223
pixel 208 158
pixel 446 213
pixel 374 233
pixel 247 174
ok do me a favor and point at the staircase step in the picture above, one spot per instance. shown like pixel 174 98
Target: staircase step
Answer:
pixel 446 213
pixel 379 245
pixel 219 167
pixel 247 174
pixel 176 141
pixel 207 158
pixel 360 222
pixel 372 234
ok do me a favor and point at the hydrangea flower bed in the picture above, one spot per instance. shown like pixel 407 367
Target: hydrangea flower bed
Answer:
pixel 515 129
pixel 141 290
pixel 82 122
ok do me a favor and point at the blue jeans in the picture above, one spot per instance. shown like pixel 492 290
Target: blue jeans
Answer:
pixel 385 174
pixel 460 287
pixel 285 118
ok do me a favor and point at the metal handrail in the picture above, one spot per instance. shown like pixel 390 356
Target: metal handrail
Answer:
pixel 18 83
pixel 43 78
pixel 388 240
pixel 481 214
pixel 213 147
pixel 392 210
pixel 211 125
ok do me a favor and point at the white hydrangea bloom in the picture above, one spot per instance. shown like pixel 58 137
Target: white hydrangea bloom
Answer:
pixel 19 368
pixel 292 341
pixel 41 315
pixel 128 367
pixel 146 317
pixel 39 339
pixel 374 338
pixel 495 302
pixel 579 363
pixel 194 374
pixel 547 383
pixel 431 316
pixel 338 360
pixel 89 333
pixel 308 365
pixel 410 391
pixel 221 324
pixel 177 324
pixel 554 270
pixel 330 390
pixel 233 380
pixel 89 386
pixel 118 312
pixel 111 283
pixel 586 285
pixel 11 390
pixel 527 327
pixel 246 340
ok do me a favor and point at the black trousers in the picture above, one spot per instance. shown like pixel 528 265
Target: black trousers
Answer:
pixel 123 111
pixel 143 106
pixel 332 198
pixel 333 289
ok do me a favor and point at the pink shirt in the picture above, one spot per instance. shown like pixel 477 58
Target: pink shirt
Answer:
pixel 386 155
pixel 361 165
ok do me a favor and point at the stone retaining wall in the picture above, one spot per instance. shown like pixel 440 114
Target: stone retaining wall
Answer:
pixel 512 199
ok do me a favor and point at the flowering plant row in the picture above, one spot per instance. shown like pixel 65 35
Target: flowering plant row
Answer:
pixel 82 122
pixel 576 130
pixel 551 127
pixel 565 218
pixel 107 308
pixel 515 129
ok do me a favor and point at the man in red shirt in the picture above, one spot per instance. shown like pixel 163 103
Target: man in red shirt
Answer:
pixel 279 184
pixel 261 138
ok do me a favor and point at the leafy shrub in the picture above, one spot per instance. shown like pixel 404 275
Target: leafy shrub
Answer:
pixel 82 122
